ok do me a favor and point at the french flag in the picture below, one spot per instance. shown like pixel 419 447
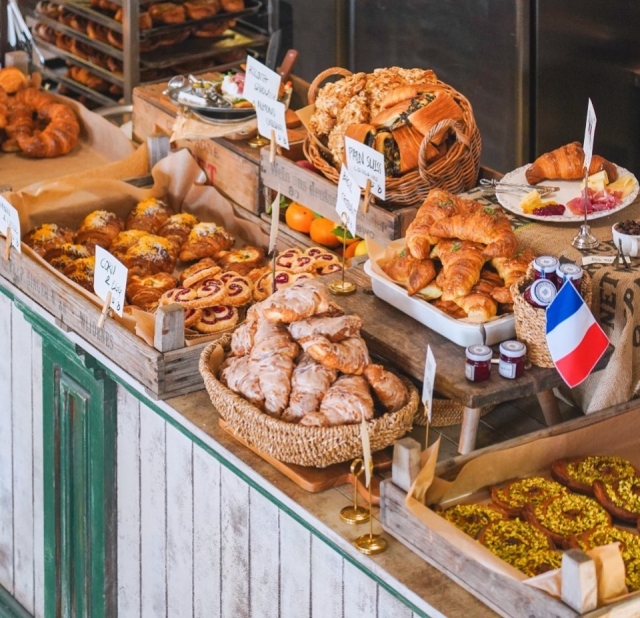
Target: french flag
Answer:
pixel 575 340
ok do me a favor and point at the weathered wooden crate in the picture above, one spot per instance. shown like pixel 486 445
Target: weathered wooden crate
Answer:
pixel 505 595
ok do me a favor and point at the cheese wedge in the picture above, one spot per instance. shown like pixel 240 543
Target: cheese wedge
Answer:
pixel 625 183
pixel 597 181
pixel 530 202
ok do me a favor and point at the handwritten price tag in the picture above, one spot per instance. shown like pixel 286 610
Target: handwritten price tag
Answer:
pixel 271 118
pixel 9 219
pixel 110 276
pixel 348 199
pixel 275 218
pixel 260 81
pixel 589 133
pixel 428 382
pixel 365 163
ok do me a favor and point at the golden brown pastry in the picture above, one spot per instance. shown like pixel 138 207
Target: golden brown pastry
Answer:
pixel 238 289
pixel 205 240
pixel 388 388
pixel 12 79
pixel 59 137
pixel 511 270
pixel 99 228
pixel 472 518
pixel 478 306
pixel 217 28
pixel 177 227
pixel 241 261
pixel 348 356
pixel 450 308
pixel 309 383
pixel 462 262
pixel 199 9
pixel 149 215
pixel 347 401
pixel 237 374
pixel 487 225
pixel 167 13
pixel 123 241
pixel 242 338
pixel 513 496
pixel 272 360
pixel 150 255
pixel 333 328
pixel 60 257
pixel 232 6
pixel 411 272
pixel 621 498
pixel 216 319
pixel 81 272
pixel 46 237
pixel 145 291
pixel 206 268
pixel 297 302
pixel 566 163
pixel 579 474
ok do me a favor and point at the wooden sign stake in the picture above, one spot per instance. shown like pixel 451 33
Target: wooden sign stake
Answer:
pixel 7 248
pixel 272 147
pixel 367 196
pixel 105 310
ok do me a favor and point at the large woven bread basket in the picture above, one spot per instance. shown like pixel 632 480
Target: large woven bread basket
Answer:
pixel 531 322
pixel 306 446
pixel 456 171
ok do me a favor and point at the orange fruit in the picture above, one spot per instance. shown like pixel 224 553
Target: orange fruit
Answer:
pixel 321 231
pixel 299 217
pixel 351 250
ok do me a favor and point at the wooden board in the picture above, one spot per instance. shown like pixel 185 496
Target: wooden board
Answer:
pixel 320 479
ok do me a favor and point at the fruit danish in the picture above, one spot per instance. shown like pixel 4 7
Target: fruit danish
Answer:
pixel 621 498
pixel 148 215
pixel 238 290
pixel 514 496
pixel 99 228
pixel 241 261
pixel 562 517
pixel 285 259
pixel 472 518
pixel 206 268
pixel 46 237
pixel 205 240
pixel 579 474
pixel 216 319
pixel 263 287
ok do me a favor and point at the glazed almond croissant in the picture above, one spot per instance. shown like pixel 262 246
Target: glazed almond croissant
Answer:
pixel 388 388
pixel 565 163
pixel 348 356
pixel 487 226
pixel 462 262
pixel 334 329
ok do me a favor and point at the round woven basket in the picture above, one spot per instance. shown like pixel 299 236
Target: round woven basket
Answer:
pixel 531 322
pixel 297 444
pixel 456 171
pixel 445 413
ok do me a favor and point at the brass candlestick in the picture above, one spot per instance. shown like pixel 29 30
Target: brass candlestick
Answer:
pixel 343 288
pixel 371 544
pixel 355 514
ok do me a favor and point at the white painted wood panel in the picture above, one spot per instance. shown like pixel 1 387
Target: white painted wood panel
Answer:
pixel 22 461
pixel 359 593
pixel 128 492
pixel 295 568
pixel 153 554
pixel 38 486
pixel 327 579
pixel 390 607
pixel 235 545
pixel 179 524
pixel 6 448
pixel 264 557
pixel 207 575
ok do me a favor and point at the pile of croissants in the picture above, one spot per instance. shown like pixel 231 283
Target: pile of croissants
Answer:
pixel 461 255
pixel 33 121
pixel 298 358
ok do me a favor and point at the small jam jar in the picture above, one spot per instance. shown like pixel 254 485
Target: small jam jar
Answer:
pixel 544 267
pixel 540 293
pixel 478 366
pixel 512 357
pixel 569 272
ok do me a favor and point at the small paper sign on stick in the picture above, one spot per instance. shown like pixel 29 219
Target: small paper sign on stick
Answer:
pixel 110 279
pixel 364 164
pixel 348 199
pixel 589 133
pixel 366 451
pixel 428 382
pixel 10 226
pixel 260 81
pixel 275 219
pixel 271 120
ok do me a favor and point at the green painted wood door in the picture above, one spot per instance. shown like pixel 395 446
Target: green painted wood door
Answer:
pixel 79 402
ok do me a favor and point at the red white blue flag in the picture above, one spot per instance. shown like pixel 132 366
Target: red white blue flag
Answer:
pixel 575 340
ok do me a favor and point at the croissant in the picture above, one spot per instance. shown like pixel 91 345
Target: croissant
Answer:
pixel 148 215
pixel 177 227
pixel 413 273
pixel 123 241
pixel 348 356
pixel 437 205
pixel 81 272
pixel 387 387
pixel 297 302
pixel 242 338
pixel 462 262
pixel 450 308
pixel 348 400
pixel 47 237
pixel 145 291
pixel 236 372
pixel 12 79
pixel 59 136
pixel 478 306
pixel 511 270
pixel 488 226
pixel 334 329
pixel 150 255
pixel 205 240
pixel 19 122
pixel 565 163
pixel 99 227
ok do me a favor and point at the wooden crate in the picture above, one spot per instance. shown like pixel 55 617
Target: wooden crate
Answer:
pixel 507 596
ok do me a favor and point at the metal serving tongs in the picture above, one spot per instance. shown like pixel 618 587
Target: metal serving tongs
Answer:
pixel 496 185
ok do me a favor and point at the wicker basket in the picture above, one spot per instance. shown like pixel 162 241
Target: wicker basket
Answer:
pixel 445 413
pixel 531 322
pixel 291 443
pixel 456 171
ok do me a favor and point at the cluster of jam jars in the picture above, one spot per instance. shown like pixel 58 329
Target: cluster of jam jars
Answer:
pixel 548 277
pixel 510 365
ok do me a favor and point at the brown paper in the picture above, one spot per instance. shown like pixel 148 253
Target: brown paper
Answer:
pixel 187 126
pixel 100 143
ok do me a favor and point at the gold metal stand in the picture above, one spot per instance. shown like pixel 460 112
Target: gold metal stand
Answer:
pixel 343 288
pixel 258 141
pixel 371 544
pixel 355 514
